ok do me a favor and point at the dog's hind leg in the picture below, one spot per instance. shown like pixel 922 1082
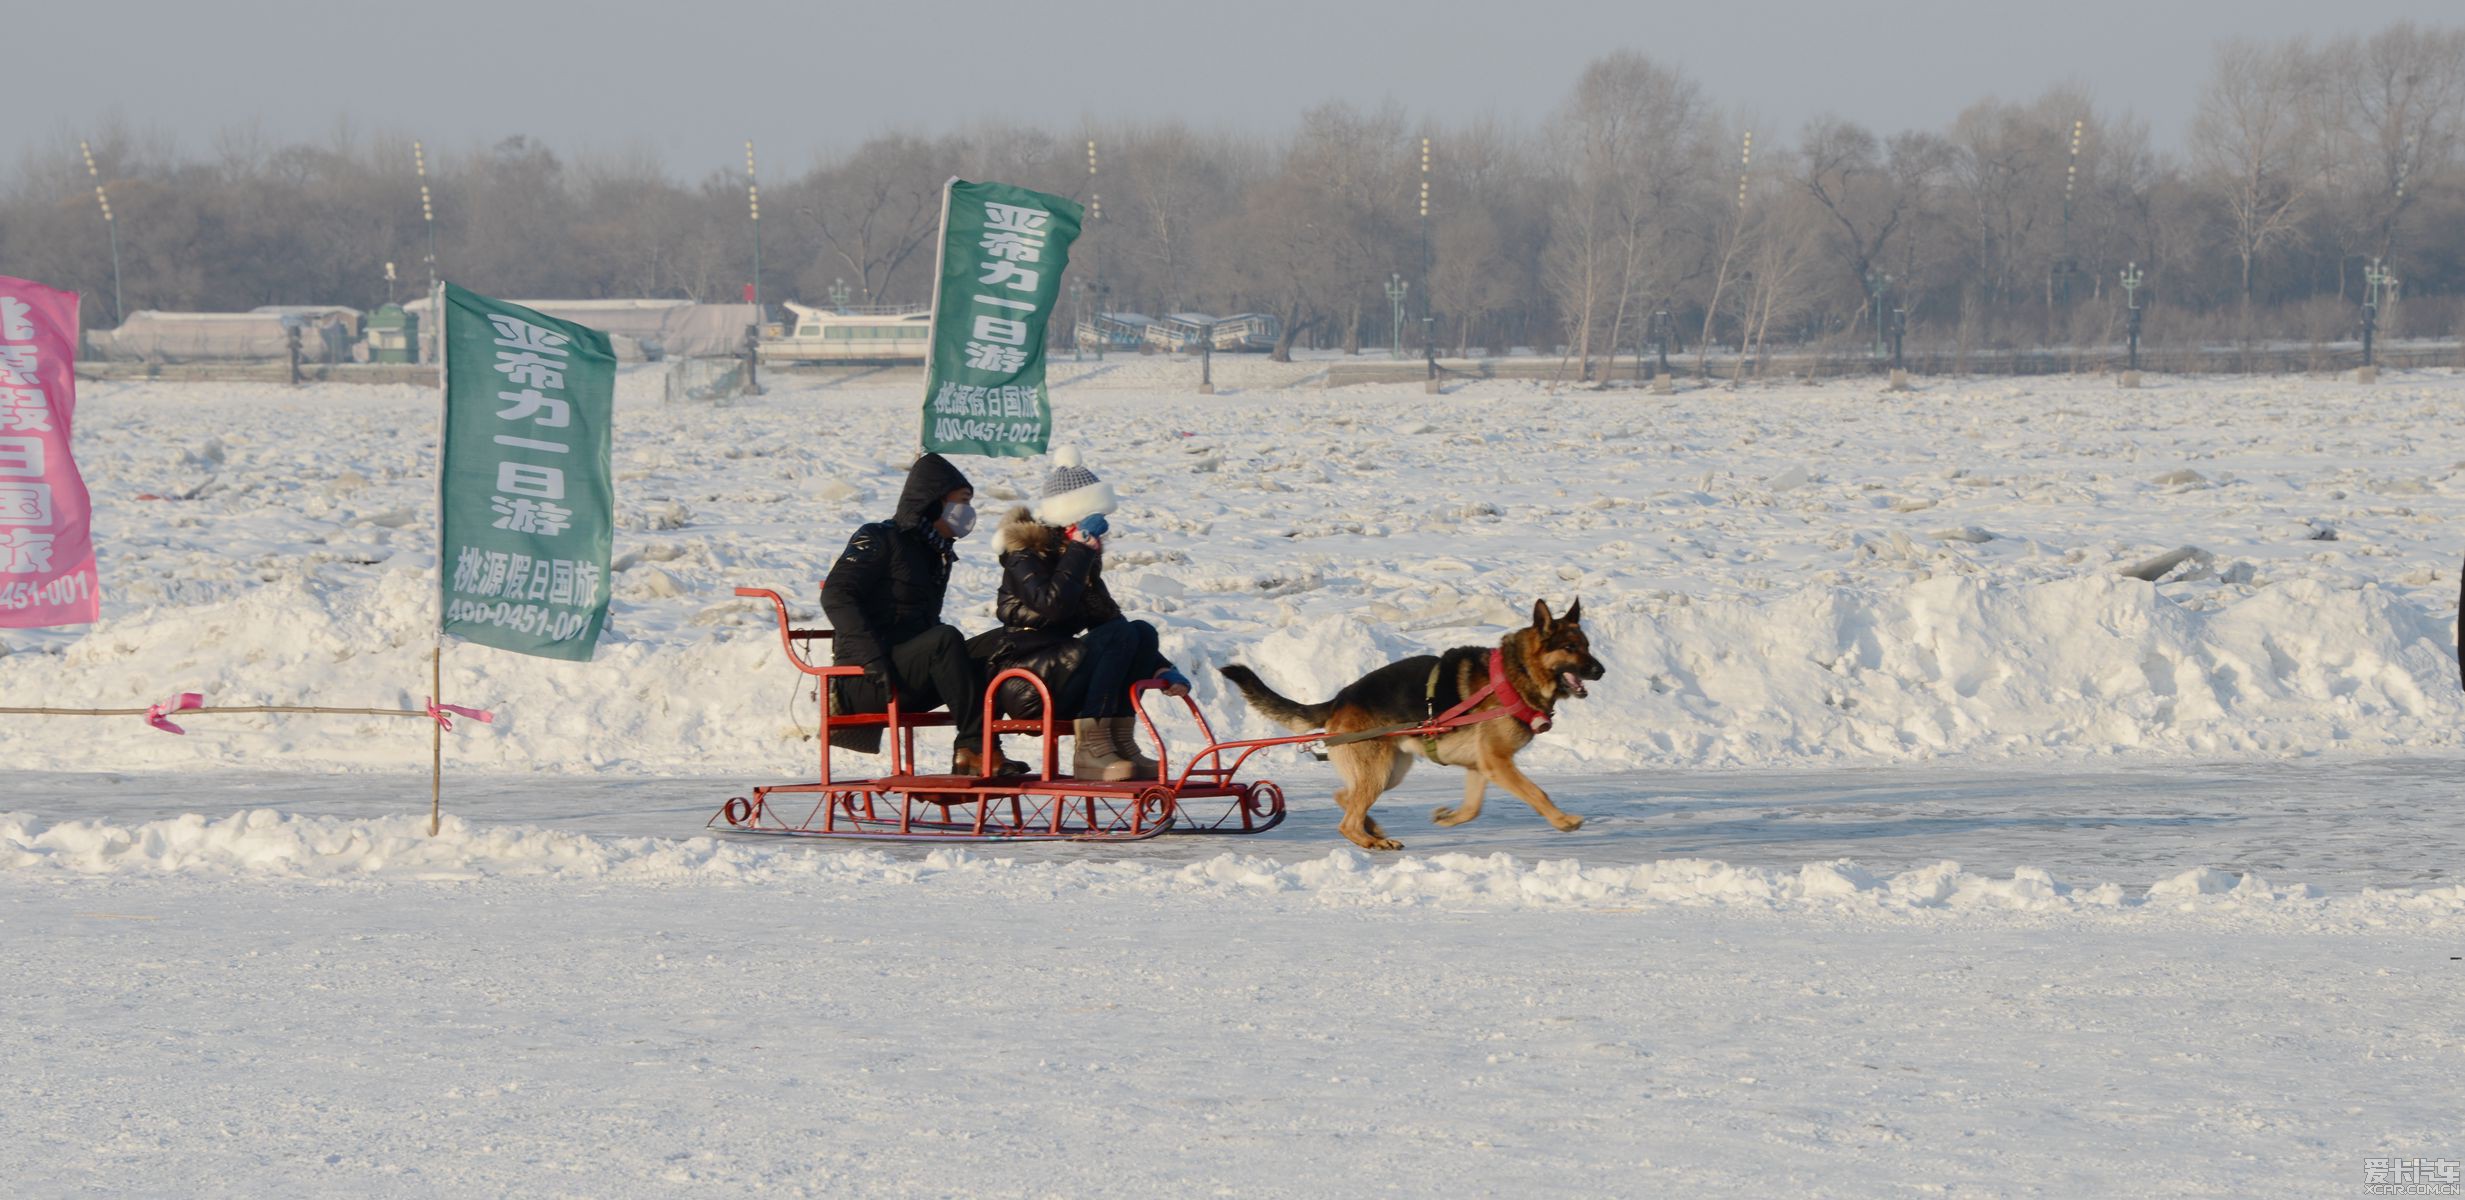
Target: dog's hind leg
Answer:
pixel 1399 764
pixel 1367 768
pixel 1500 766
pixel 1476 785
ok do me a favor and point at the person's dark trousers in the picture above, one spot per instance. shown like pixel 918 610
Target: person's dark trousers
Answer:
pixel 1116 653
pixel 931 669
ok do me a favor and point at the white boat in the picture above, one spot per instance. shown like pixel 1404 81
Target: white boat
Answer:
pixel 875 334
pixel 1184 332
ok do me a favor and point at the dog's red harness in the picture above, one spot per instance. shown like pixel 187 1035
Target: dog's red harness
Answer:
pixel 1511 703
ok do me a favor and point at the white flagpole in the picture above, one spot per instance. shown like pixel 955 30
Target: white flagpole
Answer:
pixel 941 250
pixel 436 651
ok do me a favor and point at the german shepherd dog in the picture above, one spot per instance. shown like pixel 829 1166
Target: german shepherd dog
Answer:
pixel 1544 662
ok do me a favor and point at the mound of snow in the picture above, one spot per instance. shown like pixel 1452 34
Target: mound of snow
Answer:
pixel 1954 665
pixel 1950 666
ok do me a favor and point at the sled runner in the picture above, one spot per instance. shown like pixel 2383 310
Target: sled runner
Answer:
pixel 1042 805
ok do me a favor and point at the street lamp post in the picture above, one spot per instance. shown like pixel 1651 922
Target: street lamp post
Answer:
pixel 1095 216
pixel 839 292
pixel 111 228
pixel 2131 279
pixel 427 212
pixel 2374 278
pixel 1078 336
pixel 1397 288
pixel 753 206
pixel 1900 333
pixel 1876 286
pixel 2064 266
pixel 1664 333
pixel 1429 326
pixel 753 361
pixel 433 332
pixel 1206 361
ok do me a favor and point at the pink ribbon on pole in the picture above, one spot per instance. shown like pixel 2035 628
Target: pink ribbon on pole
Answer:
pixel 180 703
pixel 437 712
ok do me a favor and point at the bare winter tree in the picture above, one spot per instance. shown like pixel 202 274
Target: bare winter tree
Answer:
pixel 1868 191
pixel 1489 222
pixel 2397 104
pixel 1284 238
pixel 1730 244
pixel 2010 172
pixel 1634 150
pixel 1355 168
pixel 875 212
pixel 2254 142
pixel 1173 184
pixel 653 239
pixel 1783 253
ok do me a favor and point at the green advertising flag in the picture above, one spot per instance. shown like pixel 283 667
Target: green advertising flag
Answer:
pixel 527 505
pixel 1003 250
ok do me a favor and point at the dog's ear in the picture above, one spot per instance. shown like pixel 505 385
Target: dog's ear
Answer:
pixel 1540 615
pixel 1574 612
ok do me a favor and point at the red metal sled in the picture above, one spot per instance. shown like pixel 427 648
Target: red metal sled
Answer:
pixel 907 805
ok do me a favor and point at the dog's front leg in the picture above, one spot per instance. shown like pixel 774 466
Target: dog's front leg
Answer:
pixel 1476 786
pixel 1501 767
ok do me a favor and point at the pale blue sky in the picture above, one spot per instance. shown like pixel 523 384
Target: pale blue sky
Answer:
pixel 690 81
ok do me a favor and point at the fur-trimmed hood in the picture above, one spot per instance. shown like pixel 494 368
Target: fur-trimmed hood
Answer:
pixel 1048 592
pixel 1020 530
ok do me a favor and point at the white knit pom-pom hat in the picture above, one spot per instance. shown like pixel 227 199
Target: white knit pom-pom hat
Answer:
pixel 1072 493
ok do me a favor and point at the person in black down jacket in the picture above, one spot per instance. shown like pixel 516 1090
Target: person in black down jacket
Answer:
pixel 1052 591
pixel 884 601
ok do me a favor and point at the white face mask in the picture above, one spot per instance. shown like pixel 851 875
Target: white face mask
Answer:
pixel 960 519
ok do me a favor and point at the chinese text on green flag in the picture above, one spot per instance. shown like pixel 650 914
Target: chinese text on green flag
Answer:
pixel 1003 249
pixel 528 507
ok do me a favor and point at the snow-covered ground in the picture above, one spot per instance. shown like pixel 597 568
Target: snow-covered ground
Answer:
pixel 269 1004
pixel 1925 851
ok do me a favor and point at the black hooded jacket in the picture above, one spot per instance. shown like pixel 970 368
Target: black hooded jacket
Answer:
pixel 888 584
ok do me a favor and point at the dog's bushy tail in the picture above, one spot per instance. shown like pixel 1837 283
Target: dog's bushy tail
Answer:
pixel 1297 717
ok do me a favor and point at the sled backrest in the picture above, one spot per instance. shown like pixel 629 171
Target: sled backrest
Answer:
pixel 900 727
pixel 790 636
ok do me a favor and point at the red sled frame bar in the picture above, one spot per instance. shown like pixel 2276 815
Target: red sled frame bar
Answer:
pixel 908 805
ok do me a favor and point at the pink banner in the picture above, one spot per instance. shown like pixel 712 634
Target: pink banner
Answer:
pixel 46 531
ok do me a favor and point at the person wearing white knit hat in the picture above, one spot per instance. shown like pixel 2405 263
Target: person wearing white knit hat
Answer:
pixel 1052 592
pixel 1072 493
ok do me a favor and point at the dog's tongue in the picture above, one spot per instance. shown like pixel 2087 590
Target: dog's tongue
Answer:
pixel 1573 685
